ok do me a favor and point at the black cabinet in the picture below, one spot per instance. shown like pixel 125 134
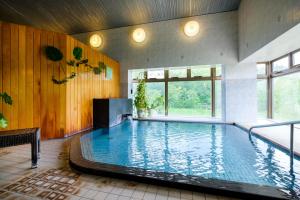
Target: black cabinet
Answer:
pixel 110 112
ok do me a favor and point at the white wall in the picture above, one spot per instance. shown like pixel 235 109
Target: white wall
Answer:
pixel 261 21
pixel 240 93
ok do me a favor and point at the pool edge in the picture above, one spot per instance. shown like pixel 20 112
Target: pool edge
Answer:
pixel 193 183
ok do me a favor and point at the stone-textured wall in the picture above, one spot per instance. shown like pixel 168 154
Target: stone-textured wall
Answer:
pixel 261 21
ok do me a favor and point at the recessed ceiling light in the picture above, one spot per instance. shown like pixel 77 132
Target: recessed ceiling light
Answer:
pixel 191 28
pixel 95 40
pixel 139 35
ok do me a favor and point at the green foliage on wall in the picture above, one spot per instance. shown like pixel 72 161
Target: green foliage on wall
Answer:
pixel 8 100
pixel 55 55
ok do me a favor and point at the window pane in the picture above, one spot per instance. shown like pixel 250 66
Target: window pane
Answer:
pixel 261 69
pixel 218 96
pixel 296 58
pixel 261 88
pixel 202 71
pixel 156 73
pixel 286 97
pixel 137 74
pixel 281 64
pixel 191 98
pixel 178 73
pixel 155 93
pixel 218 70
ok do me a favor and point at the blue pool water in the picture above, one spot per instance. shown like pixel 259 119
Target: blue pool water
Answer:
pixel 208 150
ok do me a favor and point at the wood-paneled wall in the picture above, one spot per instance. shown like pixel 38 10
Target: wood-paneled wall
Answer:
pixel 25 74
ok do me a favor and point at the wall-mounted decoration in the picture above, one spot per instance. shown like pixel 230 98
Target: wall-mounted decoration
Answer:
pixel 108 73
pixel 56 55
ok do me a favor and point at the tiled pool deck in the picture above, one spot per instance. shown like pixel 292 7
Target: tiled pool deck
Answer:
pixel 54 179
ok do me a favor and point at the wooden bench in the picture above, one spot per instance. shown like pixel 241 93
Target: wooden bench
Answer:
pixel 23 136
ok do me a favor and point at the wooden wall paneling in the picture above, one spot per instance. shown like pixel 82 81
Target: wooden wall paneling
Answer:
pixel 98 77
pixel 22 77
pixel 76 95
pixel 68 87
pixel 26 74
pixel 84 122
pixel 79 94
pixel 37 51
pixel 90 94
pixel 116 79
pixel 1 73
pixel 29 77
pixel 44 86
pixel 14 75
pixel 94 77
pixel 62 88
pixel 72 87
pixel 50 103
pixel 94 83
pixel 101 86
pixel 56 87
pixel 6 68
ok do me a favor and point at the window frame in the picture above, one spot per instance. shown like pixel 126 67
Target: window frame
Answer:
pixel 270 75
pixel 166 80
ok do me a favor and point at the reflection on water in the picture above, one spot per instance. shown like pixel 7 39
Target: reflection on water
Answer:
pixel 214 151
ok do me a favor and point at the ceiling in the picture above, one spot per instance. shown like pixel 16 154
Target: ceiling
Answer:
pixel 78 16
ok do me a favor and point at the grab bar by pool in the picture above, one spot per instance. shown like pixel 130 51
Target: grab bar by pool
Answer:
pixel 292 123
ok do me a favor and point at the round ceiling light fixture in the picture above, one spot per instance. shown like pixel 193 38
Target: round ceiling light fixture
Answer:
pixel 191 28
pixel 139 35
pixel 95 40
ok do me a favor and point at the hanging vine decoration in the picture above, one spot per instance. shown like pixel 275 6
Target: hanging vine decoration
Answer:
pixel 77 61
pixel 56 55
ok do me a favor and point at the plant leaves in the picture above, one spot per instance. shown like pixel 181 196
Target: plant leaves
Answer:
pixel 71 62
pixel 53 53
pixel 77 53
pixel 62 81
pixel 6 98
pixel 85 61
pixel 97 70
pixel 101 65
pixel 3 121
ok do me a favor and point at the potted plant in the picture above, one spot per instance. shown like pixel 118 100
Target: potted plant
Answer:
pixel 158 101
pixel 140 100
pixel 7 99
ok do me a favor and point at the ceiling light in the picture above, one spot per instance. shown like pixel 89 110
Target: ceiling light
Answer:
pixel 191 28
pixel 95 40
pixel 139 35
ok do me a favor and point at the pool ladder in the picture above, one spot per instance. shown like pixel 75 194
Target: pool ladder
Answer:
pixel 292 124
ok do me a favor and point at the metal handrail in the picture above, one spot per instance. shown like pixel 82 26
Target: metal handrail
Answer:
pixel 274 124
pixel 292 123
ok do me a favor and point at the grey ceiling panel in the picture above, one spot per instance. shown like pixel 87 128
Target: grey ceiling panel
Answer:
pixel 77 16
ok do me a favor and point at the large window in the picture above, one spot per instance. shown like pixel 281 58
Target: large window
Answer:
pixel 156 93
pixel 278 88
pixel 190 98
pixel 286 97
pixel 184 91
